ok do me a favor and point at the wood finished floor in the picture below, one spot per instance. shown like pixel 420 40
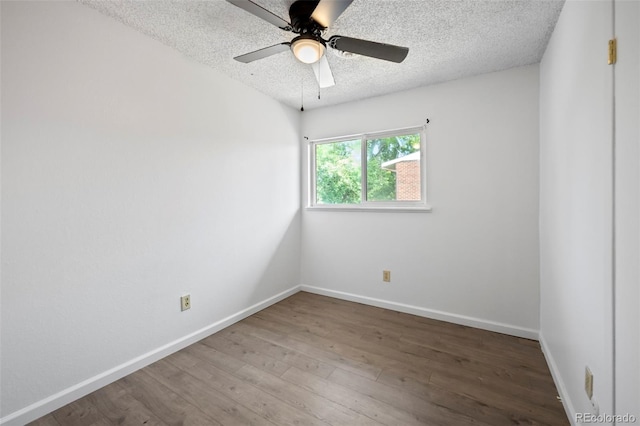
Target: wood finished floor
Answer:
pixel 315 360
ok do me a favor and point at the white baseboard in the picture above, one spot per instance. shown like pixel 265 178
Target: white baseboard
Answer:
pixel 557 379
pixel 66 396
pixel 512 330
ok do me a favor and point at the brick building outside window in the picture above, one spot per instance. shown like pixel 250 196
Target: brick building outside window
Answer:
pixel 407 170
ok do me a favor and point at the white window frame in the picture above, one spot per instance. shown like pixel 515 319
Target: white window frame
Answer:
pixel 364 205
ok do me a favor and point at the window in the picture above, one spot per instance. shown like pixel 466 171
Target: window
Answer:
pixel 372 171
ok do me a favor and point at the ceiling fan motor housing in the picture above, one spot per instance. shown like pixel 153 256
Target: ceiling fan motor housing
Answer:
pixel 300 14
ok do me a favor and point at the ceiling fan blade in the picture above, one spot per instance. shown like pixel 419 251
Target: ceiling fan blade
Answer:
pixel 263 53
pixel 327 11
pixel 388 52
pixel 323 73
pixel 261 13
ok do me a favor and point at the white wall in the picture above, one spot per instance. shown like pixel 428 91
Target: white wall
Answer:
pixel 474 259
pixel 627 124
pixel 130 176
pixel 576 204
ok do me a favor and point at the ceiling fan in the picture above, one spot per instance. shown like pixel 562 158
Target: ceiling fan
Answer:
pixel 309 19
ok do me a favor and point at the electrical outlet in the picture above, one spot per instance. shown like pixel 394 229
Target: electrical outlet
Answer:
pixel 588 382
pixel 386 276
pixel 185 302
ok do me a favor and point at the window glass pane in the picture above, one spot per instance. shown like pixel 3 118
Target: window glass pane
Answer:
pixel 338 172
pixel 393 168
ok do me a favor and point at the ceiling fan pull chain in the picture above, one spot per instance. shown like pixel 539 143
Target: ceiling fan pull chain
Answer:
pixel 302 94
pixel 319 80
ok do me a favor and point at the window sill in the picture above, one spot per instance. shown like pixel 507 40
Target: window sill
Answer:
pixel 378 209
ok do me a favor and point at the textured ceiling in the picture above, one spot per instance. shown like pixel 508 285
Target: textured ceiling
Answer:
pixel 447 40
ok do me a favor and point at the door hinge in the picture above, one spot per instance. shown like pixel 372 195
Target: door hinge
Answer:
pixel 613 51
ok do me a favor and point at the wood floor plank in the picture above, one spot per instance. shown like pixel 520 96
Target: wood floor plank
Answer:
pixel 281 353
pixel 215 404
pixel 513 380
pixel 80 413
pixel 419 330
pixel 250 356
pixel 421 387
pixel 426 411
pixel 254 326
pixel 312 403
pixel 340 340
pixel 163 402
pixel 455 401
pixel 45 421
pixel 315 360
pixel 379 318
pixel 440 359
pixel 406 325
pixel 221 360
pixel 488 395
pixel 382 355
pixel 341 345
pixel 517 388
pixel 119 407
pixel 509 358
pixel 446 348
pixel 314 322
pixel 246 394
pixel 361 403
pixel 327 336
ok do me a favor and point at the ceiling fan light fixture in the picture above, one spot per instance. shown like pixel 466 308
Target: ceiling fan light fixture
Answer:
pixel 307 49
